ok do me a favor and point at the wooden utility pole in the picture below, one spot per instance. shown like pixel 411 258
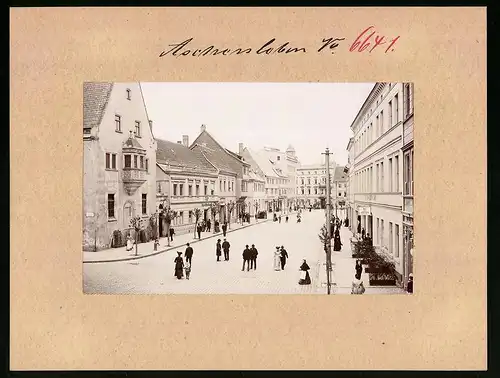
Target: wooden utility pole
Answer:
pixel 328 223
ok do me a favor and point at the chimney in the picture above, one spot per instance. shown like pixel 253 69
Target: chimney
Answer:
pixel 179 142
pixel 202 128
pixel 240 148
pixel 185 140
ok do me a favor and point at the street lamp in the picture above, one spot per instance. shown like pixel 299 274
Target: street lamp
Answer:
pixel 328 246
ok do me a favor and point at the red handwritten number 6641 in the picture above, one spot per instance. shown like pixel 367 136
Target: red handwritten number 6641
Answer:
pixel 364 40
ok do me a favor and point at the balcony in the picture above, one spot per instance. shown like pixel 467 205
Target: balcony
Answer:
pixel 132 179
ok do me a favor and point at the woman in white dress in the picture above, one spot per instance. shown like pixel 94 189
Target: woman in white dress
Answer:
pixel 130 243
pixel 277 257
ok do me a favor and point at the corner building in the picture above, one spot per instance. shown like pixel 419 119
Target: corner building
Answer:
pixel 376 180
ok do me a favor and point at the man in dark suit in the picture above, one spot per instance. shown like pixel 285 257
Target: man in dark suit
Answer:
pixel 246 258
pixel 224 229
pixel 253 260
pixel 225 248
pixel 283 257
pixel 189 253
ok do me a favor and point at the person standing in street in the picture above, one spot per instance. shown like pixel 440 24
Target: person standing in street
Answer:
pixel 277 258
pixel 189 253
pixel 218 249
pixel 187 268
pixel 224 229
pixel 279 218
pixel 305 279
pixel 246 258
pixel 409 285
pixel 172 233
pixel 198 230
pixel 358 268
pixel 225 248
pixel 283 257
pixel 286 219
pixel 179 266
pixel 209 224
pixel 253 261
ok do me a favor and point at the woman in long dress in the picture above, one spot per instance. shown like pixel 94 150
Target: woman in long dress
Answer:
pixel 337 244
pixel 179 266
pixel 305 279
pixel 277 259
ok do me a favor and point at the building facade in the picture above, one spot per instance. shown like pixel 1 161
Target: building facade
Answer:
pixel 310 184
pixel 407 152
pixel 276 183
pixel 185 181
pixel 119 176
pixel 376 179
pixel 285 164
pixel 233 175
pixel 339 192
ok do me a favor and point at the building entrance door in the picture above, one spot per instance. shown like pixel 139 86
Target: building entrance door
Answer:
pixel 128 214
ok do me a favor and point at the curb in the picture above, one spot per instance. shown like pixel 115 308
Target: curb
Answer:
pixel 170 248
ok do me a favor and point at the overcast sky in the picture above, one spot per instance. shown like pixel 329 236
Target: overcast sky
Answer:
pixel 309 116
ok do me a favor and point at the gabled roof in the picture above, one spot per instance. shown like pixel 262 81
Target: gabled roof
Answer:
pixel 339 174
pixel 178 155
pixel 263 162
pixel 132 142
pixel 95 99
pixel 218 155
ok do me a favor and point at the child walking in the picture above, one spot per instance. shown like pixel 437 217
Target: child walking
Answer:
pixel 187 267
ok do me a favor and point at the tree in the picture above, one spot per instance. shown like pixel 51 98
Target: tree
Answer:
pixel 230 208
pixel 256 205
pixel 136 223
pixel 214 209
pixel 167 214
pixel 197 216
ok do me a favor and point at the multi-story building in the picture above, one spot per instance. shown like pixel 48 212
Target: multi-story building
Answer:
pixel 376 180
pixel 256 189
pixel 407 151
pixel 339 192
pixel 310 184
pixel 119 176
pixel 185 181
pixel 350 182
pixel 285 163
pixel 276 184
pixel 233 174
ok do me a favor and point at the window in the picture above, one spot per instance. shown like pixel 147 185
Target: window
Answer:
pixel 181 216
pixel 206 190
pixel 129 94
pixel 278 158
pixel 377 185
pixel 382 122
pixel 197 190
pixel 138 129
pixel 390 113
pixel 135 161
pixel 190 217
pixel 108 161
pixel 340 194
pixel 396 240
pixel 390 175
pixel 128 161
pixel 396 168
pixel 315 191
pixel 225 186
pixel 181 189
pixel 111 205
pixel 220 185
pixel 408 107
pixel 144 204
pixel 175 189
pixel 147 165
pixel 382 183
pixel 141 159
pixel 396 108
pixel 408 173
pixel 190 190
pixel 377 124
pixel 382 232
pixel 378 231
pixel 390 238
pixel 118 123
pixel 159 187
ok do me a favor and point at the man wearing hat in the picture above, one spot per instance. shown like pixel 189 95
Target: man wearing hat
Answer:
pixel 188 253
pixel 253 259
pixel 283 257
pixel 225 248
pixel 409 285
pixel 218 249
pixel 246 258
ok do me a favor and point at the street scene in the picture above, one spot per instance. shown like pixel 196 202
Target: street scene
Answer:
pixel 171 208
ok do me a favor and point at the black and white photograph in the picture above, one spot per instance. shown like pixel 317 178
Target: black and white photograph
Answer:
pixel 248 188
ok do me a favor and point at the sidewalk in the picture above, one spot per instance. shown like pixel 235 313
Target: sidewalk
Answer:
pixel 343 271
pixel 147 249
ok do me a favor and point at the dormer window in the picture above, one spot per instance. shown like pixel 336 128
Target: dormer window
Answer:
pixel 129 94
pixel 278 158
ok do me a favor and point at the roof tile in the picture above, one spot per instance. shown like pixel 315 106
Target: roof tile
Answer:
pixel 179 155
pixel 95 99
